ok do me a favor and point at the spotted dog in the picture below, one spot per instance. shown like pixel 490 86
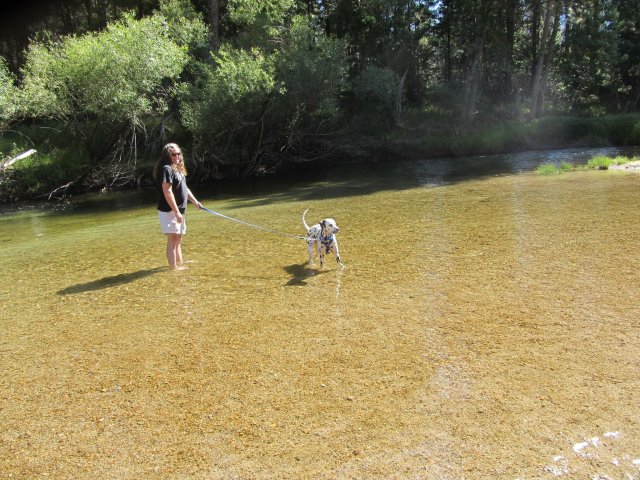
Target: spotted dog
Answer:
pixel 321 237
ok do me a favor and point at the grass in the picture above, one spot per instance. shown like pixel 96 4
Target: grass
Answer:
pixel 602 162
pixel 599 162
pixel 566 167
pixel 547 169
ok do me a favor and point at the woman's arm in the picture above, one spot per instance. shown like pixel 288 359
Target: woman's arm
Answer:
pixel 193 200
pixel 171 200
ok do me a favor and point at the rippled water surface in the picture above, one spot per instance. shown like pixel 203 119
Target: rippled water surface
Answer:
pixel 486 326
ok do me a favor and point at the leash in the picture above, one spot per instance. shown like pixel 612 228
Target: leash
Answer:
pixel 212 212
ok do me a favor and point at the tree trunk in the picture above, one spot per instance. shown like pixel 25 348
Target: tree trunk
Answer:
pixel 474 77
pixel 474 80
pixel 548 57
pixel 635 102
pixel 400 91
pixel 535 34
pixel 545 49
pixel 214 22
pixel 510 29
pixel 448 63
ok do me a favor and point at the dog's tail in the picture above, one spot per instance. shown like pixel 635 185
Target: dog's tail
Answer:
pixel 304 222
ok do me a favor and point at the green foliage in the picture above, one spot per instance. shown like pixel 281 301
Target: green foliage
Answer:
pixel 7 94
pixel 588 57
pixel 238 84
pixel 375 92
pixel 116 75
pixel 603 162
pixel 311 72
pixel 103 89
pixel 268 12
pixel 600 162
pixel 435 134
pixel 249 102
pixel 547 169
pixel 282 83
pixel 35 175
pixel 227 106
pixel 622 129
pixel 566 167
pixel 259 24
pixel 184 24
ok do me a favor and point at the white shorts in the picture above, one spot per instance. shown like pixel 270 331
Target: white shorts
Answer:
pixel 168 223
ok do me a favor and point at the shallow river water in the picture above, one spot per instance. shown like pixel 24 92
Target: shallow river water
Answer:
pixel 486 326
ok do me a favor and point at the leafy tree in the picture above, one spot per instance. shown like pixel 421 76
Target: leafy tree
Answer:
pixel 627 94
pixel 184 25
pixel 311 72
pixel 7 94
pixel 265 12
pixel 384 34
pixel 589 55
pixel 374 90
pixel 60 17
pixel 255 105
pixel 544 55
pixel 225 112
pixel 104 88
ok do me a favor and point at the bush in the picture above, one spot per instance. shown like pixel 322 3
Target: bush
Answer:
pixel 116 75
pixel 224 111
pixel 311 72
pixel 601 162
pixel 566 167
pixel 547 169
pixel 374 93
pixel 623 129
pixel 270 103
pixel 103 90
pixel 8 92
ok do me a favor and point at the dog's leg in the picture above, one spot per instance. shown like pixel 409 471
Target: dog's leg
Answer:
pixel 310 252
pixel 336 252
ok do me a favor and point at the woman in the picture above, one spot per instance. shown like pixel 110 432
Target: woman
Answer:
pixel 173 194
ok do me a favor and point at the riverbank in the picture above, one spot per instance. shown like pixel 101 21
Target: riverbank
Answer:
pixel 631 166
pixel 58 171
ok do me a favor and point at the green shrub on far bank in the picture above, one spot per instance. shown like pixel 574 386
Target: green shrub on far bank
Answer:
pixel 602 162
pixel 599 162
pixel 547 169
pixel 566 167
pixel 429 135
pixel 37 175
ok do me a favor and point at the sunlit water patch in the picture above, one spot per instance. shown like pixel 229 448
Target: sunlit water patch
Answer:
pixel 482 328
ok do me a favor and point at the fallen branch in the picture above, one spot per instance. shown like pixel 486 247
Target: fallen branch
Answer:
pixel 13 160
pixel 59 188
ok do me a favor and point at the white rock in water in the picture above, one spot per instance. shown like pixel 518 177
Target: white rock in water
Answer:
pixel 578 447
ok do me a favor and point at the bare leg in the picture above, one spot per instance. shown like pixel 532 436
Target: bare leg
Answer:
pixel 174 251
pixel 179 262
